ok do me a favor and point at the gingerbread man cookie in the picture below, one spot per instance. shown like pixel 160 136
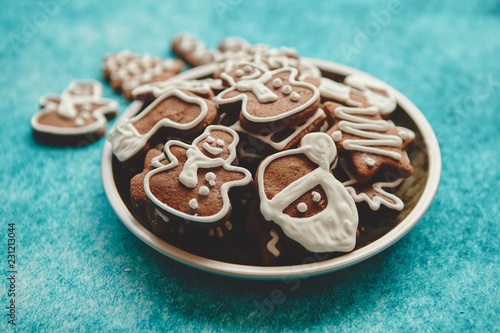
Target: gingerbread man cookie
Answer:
pixel 299 193
pixel 195 185
pixel 126 70
pixel 369 143
pixel 76 117
pixel 175 111
pixel 270 98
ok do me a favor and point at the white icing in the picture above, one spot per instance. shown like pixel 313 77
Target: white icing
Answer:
pixel 127 140
pixel 334 228
pixel 302 207
pixel 212 150
pixel 247 69
pixel 220 143
pixel 203 191
pixel 210 139
pixel 189 44
pixel 267 138
pixel 337 136
pixel 287 89
pixel 295 96
pixel 66 106
pixel 371 131
pixel 188 177
pixel 370 162
pixel 386 104
pixel 375 202
pixel 211 183
pixel 264 94
pixel 316 197
pixel 79 121
pixel 193 204
pixel 271 245
pixel 164 217
pixel 277 82
pixel 239 73
pixel 202 87
pixel 135 69
pixel 337 91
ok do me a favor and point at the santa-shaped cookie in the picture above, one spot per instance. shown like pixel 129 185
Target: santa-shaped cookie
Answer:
pixel 270 100
pixel 195 185
pixel 76 117
pixel 175 112
pixel 299 193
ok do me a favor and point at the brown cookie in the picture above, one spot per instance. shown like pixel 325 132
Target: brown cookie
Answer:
pixel 175 112
pixel 367 142
pixel 272 99
pixel 195 185
pixel 299 193
pixel 76 117
pixel 126 71
pixel 191 50
pixel 203 88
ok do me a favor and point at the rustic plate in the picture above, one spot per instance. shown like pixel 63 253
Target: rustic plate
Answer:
pixel 417 193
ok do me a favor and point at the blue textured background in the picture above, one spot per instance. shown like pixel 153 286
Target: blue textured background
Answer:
pixel 72 249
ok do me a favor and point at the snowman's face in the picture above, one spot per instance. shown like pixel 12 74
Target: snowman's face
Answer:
pixel 321 148
pixel 216 144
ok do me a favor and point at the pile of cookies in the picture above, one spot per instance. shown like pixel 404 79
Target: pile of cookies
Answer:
pixel 266 156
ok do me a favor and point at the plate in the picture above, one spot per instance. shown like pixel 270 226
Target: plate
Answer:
pixel 419 191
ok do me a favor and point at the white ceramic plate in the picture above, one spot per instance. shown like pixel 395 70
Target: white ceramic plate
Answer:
pixel 282 272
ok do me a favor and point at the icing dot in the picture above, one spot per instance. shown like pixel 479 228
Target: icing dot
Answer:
pixel 295 96
pixel 336 136
pixel 316 196
pixel 238 73
pixel 79 122
pixel 277 82
pixel 211 182
pixel 370 162
pixel 220 143
pixel 302 207
pixel 247 69
pixel 210 176
pixel 193 203
pixel 203 191
pixel 210 139
pixel 287 89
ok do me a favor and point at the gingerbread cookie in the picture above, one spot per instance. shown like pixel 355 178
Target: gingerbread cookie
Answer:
pixel 270 98
pixel 203 88
pixel 299 193
pixel 126 70
pixel 175 112
pixel 195 185
pixel 191 50
pixel 369 143
pixel 76 117
pixel 376 193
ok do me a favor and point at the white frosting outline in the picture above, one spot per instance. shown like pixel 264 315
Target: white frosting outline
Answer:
pixel 271 245
pixel 264 94
pixel 332 229
pixel 122 64
pixel 369 130
pixel 127 141
pixel 364 83
pixel 157 89
pixel 207 163
pixel 374 203
pixel 47 106
pixel 283 143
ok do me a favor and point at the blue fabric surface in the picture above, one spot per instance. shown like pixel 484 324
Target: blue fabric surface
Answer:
pixel 72 249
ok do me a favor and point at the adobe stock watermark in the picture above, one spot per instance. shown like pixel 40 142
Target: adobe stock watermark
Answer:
pixel 31 25
pixel 379 20
pixel 224 7
pixel 481 90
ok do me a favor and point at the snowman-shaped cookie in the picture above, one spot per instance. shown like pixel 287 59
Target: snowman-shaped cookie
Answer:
pixel 195 184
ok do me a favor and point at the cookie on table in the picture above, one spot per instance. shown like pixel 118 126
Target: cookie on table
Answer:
pixel 175 112
pixel 76 117
pixel 299 193
pixel 126 71
pixel 195 185
pixel 369 143
pixel 270 100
